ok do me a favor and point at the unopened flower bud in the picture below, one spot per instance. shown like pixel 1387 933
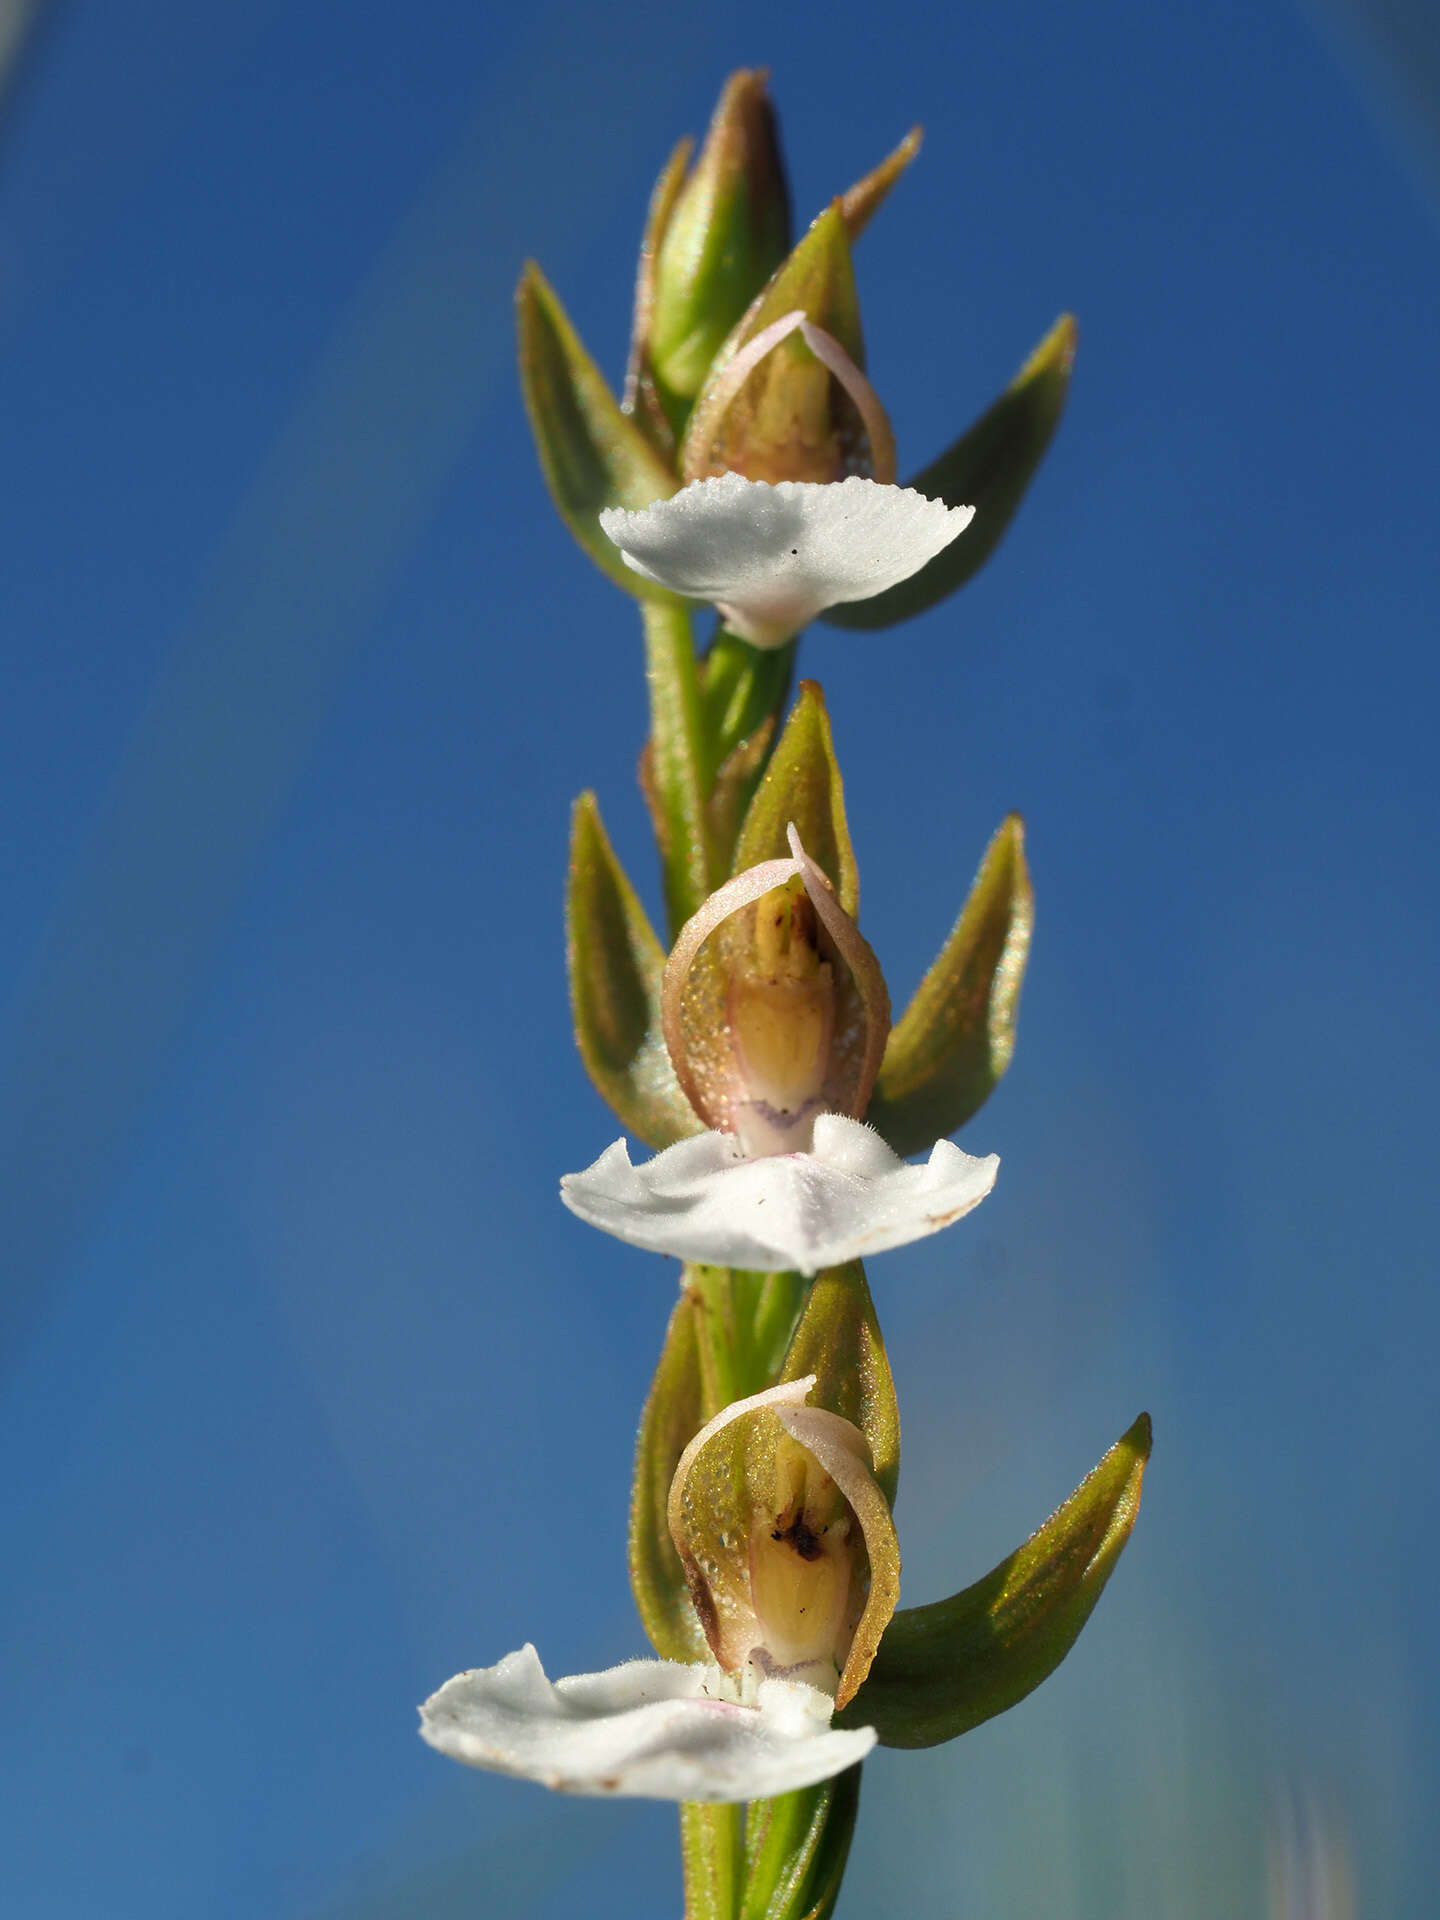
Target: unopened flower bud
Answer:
pixel 729 230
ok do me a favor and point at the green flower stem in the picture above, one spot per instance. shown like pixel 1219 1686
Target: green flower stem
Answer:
pixel 745 1324
pixel 743 686
pixel 682 768
pixel 712 1848
pixel 796 1847
pixel 779 1859
pixel 778 1300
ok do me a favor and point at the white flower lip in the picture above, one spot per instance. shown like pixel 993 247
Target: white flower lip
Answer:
pixel 773 557
pixel 650 1728
pixel 846 1199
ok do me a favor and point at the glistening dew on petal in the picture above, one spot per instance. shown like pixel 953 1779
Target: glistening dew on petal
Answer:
pixel 772 558
pixel 651 1728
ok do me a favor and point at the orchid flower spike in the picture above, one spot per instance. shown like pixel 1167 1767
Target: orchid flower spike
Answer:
pixel 775 1016
pixel 790 1552
pixel 773 556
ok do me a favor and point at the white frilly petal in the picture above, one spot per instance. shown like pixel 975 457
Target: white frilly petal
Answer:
pixel 652 1728
pixel 773 557
pixel 847 1198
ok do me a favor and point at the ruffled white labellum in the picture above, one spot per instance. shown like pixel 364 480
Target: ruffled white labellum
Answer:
pixel 652 1728
pixel 775 1016
pixel 849 1197
pixel 771 558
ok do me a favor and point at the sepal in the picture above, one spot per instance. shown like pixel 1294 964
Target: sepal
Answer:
pixel 954 1040
pixel 674 1413
pixel 592 454
pixel 838 1340
pixel 802 787
pixel 791 420
pixel 989 467
pixel 616 967
pixel 946 1668
pixel 866 197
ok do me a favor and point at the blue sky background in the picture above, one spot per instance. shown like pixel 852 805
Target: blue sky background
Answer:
pixel 311 1392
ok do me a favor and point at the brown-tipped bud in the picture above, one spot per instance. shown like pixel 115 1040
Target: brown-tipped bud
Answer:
pixel 727 232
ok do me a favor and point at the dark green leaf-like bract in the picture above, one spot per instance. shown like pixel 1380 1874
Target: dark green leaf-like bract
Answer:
pixel 988 468
pixel 616 967
pixel 802 784
pixel 945 1668
pixel 592 454
pixel 955 1038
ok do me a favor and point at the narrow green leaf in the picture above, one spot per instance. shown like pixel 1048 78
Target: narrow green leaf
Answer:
pixel 945 1668
pixel 955 1039
pixel 838 1339
pixel 616 966
pixel 796 1846
pixel 802 783
pixel 674 1413
pixel 988 468
pixel 592 454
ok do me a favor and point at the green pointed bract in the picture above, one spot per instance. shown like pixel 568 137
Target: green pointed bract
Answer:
pixel 790 420
pixel 727 232
pixel 734 788
pixel 674 1413
pixel 642 399
pixel 867 195
pixel 592 454
pixel 838 1339
pixel 988 468
pixel 802 785
pixel 616 967
pixel 955 1038
pixel 743 686
pixel 944 1669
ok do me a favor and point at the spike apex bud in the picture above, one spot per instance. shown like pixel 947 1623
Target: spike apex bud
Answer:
pixel 727 233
